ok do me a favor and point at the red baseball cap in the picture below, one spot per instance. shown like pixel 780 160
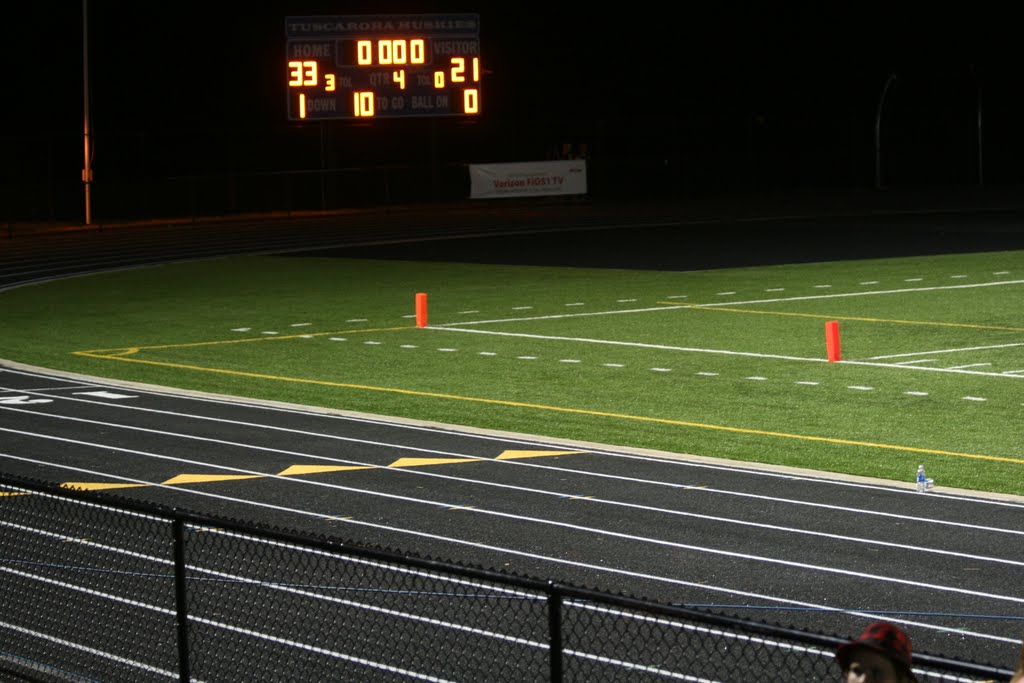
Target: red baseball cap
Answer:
pixel 886 639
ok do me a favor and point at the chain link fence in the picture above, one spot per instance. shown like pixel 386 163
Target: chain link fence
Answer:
pixel 95 588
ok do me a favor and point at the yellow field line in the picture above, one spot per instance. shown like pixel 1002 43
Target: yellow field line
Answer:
pixel 559 409
pixel 844 317
pixel 135 349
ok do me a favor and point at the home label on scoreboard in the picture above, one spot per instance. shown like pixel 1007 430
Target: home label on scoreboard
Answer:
pixel 383 66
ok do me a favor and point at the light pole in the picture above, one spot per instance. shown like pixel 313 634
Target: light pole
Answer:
pixel 878 132
pixel 87 169
pixel 981 165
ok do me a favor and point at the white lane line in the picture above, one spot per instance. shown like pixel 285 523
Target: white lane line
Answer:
pixel 409 346
pixel 522 308
pixel 776 289
pixel 569 360
pixel 914 279
pixel 677 296
pixel 526 357
pixel 725 293
pixel 972 365
pixel 373 343
pixel 757 379
pixel 603 532
pixel 974 398
pixel 916 362
pixel 465 312
pixel 626 301
pixel 524 518
pixel 578 303
pixel 957 277
pixel 661 369
pixel 823 286
pixel 707 374
pixel 916 393
pixel 535 556
pixel 857 387
pixel 870 282
pixel 337 338
pixel 808 384
pixel 240 329
pixel 300 324
pixel 957 350
pixel 356 320
pixel 614 365
pixel 447 350
pixel 488 353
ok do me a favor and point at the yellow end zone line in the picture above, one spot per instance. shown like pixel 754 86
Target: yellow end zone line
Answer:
pixel 558 409
pixel 842 317
pixel 129 350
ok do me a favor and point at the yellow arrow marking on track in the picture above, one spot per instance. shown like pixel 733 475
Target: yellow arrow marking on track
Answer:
pixel 513 455
pixel 419 462
pixel 317 469
pixel 201 478
pixel 98 485
pixel 305 469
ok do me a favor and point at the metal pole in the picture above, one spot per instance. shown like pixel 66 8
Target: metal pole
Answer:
pixel 181 600
pixel 87 169
pixel 878 132
pixel 981 165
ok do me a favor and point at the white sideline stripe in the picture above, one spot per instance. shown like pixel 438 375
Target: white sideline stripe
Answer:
pixel 928 353
pixel 904 290
pixel 63 642
pixel 622 572
pixel 661 347
pixel 735 303
pixel 723 352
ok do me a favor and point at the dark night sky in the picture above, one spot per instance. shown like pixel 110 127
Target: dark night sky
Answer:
pixel 799 75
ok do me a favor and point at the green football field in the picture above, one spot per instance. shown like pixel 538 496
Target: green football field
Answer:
pixel 727 363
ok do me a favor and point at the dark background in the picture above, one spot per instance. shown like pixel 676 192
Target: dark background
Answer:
pixel 668 100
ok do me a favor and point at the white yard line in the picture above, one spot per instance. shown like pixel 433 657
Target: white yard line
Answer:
pixel 928 353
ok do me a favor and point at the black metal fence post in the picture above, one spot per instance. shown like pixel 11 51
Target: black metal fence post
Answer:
pixel 180 598
pixel 555 631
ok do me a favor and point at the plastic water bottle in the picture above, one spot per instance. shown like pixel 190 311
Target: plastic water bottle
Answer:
pixel 922 480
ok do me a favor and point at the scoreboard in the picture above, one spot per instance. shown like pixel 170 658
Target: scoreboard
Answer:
pixel 365 67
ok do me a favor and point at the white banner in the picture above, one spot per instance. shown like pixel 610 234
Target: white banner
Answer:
pixel 528 179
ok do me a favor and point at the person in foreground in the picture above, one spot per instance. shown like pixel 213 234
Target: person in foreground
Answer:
pixel 881 654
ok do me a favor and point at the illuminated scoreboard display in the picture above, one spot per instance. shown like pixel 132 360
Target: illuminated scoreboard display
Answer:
pixel 383 66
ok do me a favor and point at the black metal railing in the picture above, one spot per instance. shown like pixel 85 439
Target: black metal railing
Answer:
pixel 96 588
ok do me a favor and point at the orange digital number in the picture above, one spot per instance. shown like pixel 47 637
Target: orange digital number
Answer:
pixel 399 78
pixel 458 69
pixel 471 101
pixel 301 73
pixel 391 52
pixel 362 103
